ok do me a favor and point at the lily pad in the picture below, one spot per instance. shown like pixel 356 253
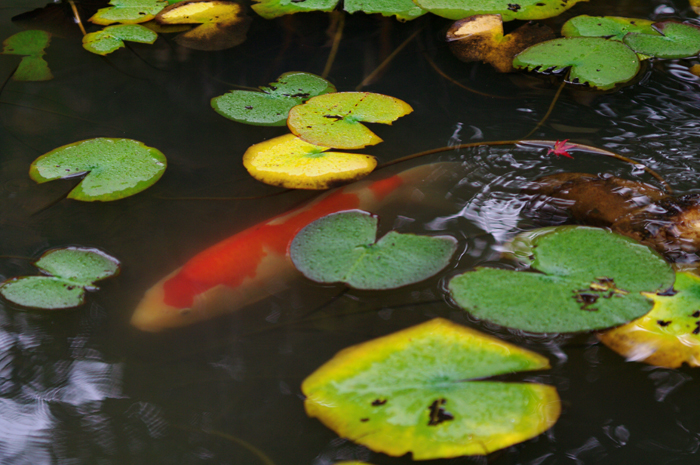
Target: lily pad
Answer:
pixel 341 247
pixel 609 27
pixel 333 120
pixel 675 40
pixel 222 24
pixel 269 9
pixel 128 12
pixel 73 270
pixel 508 9
pixel 288 161
pixel 480 38
pixel 667 336
pixel 419 390
pixel 31 44
pixel 112 38
pixel 404 10
pixel 599 62
pixel 114 168
pixel 270 106
pixel 588 279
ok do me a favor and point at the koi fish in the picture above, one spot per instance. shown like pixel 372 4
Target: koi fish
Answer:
pixel 255 263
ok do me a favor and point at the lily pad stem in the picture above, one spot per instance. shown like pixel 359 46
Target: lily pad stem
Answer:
pixel 338 21
pixel 387 60
pixel 457 83
pixel 264 459
pixel 549 111
pixel 77 16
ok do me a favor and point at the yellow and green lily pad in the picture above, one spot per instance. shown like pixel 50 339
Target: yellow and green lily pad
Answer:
pixel 508 9
pixel 222 24
pixel 270 106
pixel 334 120
pixel 288 161
pixel 31 44
pixel 112 38
pixel 71 270
pixel 598 62
pixel 404 10
pixel 343 247
pixel 667 336
pixel 128 12
pixel 421 390
pixel 586 279
pixel 113 168
pixel 610 27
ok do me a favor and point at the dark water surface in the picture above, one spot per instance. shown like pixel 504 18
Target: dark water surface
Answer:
pixel 84 387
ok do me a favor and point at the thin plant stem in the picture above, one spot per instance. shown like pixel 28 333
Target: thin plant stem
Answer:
pixel 339 21
pixel 245 444
pixel 59 114
pixel 387 60
pixel 549 111
pixel 457 83
pixel 77 16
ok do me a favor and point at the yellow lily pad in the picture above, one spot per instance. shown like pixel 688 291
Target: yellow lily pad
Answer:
pixel 288 161
pixel 669 334
pixel 420 390
pixel 222 24
pixel 128 12
pixel 334 120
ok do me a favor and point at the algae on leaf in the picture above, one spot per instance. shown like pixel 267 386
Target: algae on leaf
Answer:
pixel 128 12
pixel 599 62
pixel 288 161
pixel 508 9
pixel 342 247
pixel 113 168
pixel 588 279
pixel 669 334
pixel 31 44
pixel 421 390
pixel 334 120
pixel 72 270
pixel 270 106
pixel 112 38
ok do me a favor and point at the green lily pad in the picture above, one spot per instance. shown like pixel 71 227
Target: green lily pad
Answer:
pixel 419 390
pixel 404 10
pixel 588 279
pixel 115 168
pixel 341 248
pixel 269 9
pixel 270 106
pixel 609 27
pixel 598 62
pixel 508 9
pixel 675 40
pixel 333 120
pixel 128 12
pixel 31 44
pixel 73 270
pixel 667 336
pixel 112 38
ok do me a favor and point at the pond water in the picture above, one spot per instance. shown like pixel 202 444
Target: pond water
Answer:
pixel 85 387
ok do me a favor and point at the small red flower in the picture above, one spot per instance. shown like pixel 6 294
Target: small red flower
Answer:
pixel 561 147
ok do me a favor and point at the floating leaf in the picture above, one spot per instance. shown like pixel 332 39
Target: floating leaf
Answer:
pixel 31 44
pixel 668 335
pixel 270 106
pixel 114 168
pixel 508 9
pixel 222 24
pixel 417 391
pixel 480 38
pixel 128 11
pixel 341 248
pixel 404 10
pixel 695 5
pixel 269 9
pixel 609 27
pixel 596 61
pixel 589 279
pixel 675 40
pixel 73 270
pixel 288 161
pixel 333 120
pixel 112 38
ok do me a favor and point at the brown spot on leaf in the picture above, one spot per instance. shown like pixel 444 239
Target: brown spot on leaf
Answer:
pixel 438 414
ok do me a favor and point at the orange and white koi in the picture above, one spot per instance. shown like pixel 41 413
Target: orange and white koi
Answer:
pixel 255 263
